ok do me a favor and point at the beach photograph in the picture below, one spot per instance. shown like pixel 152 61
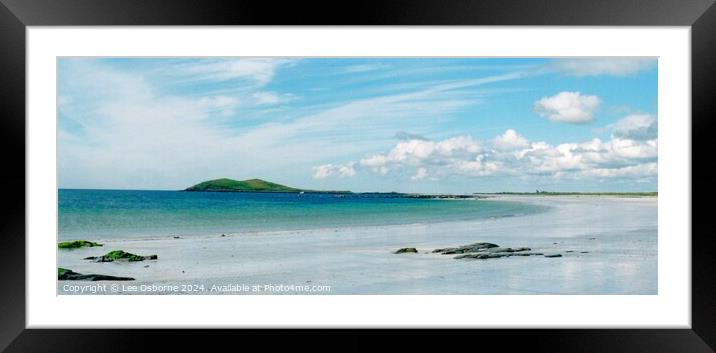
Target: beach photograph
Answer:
pixel 357 176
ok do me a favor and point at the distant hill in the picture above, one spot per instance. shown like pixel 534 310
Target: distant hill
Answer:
pixel 251 185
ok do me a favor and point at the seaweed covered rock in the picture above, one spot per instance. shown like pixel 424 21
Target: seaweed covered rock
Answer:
pixel 120 255
pixel 481 251
pixel 69 275
pixel 495 254
pixel 77 244
pixel 406 251
pixel 465 248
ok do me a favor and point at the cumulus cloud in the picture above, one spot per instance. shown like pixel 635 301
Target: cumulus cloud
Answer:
pixel 568 107
pixel 420 174
pixel 512 154
pixel 510 140
pixel 419 152
pixel 331 170
pixel 636 127
pixel 644 169
pixel 624 66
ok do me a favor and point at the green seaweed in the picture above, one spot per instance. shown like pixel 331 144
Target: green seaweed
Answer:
pixel 117 255
pixel 122 255
pixel 77 244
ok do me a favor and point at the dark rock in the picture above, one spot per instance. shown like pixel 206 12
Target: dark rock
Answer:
pixel 553 255
pixel 69 275
pixel 483 251
pixel 483 255
pixel 498 249
pixel 406 250
pixel 223 235
pixel 584 252
pixel 445 250
pixel 466 248
pixel 569 251
pixel 120 255
pixel 527 254
pixel 494 255
pixel 176 237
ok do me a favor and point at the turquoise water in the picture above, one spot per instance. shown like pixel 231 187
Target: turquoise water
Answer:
pixel 102 214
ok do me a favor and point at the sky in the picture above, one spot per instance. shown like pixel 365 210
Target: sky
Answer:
pixel 432 125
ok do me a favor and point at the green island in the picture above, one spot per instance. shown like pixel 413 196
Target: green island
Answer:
pixel 250 185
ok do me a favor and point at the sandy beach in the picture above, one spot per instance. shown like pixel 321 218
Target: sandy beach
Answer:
pixel 608 246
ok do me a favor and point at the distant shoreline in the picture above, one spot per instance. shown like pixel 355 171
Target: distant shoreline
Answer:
pixel 557 193
pixel 409 194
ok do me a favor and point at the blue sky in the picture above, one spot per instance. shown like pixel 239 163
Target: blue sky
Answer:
pixel 362 124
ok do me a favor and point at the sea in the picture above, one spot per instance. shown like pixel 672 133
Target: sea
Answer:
pixel 110 214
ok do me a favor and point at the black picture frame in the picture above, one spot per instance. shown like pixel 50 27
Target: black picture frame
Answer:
pixel 16 15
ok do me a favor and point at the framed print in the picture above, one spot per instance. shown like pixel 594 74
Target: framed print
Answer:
pixel 210 166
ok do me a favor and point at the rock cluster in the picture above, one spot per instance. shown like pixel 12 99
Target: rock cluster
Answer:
pixel 69 275
pixel 481 251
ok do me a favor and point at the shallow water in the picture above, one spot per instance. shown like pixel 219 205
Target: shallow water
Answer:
pixel 100 214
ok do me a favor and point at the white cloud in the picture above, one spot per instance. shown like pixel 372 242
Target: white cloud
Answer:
pixel 645 169
pixel 364 68
pixel 637 127
pixel 633 149
pixel 478 167
pixel 259 70
pixel 568 107
pixel 223 105
pixel 266 98
pixel 331 170
pixel 510 140
pixel 603 66
pixel 512 154
pixel 419 152
pixel 420 174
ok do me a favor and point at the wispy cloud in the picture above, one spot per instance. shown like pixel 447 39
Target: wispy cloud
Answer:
pixel 134 133
pixel 258 70
pixel 614 66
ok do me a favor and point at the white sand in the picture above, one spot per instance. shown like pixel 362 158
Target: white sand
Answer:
pixel 620 235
